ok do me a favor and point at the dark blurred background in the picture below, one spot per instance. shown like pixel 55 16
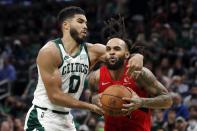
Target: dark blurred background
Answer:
pixel 167 29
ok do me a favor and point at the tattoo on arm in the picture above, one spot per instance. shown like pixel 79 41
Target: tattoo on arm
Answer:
pixel 161 98
pixel 148 81
pixel 93 82
pixel 93 86
pixel 159 102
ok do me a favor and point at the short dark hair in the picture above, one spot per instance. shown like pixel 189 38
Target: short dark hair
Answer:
pixel 69 12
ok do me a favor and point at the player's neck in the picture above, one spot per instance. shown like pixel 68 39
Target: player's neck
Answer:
pixel 70 45
pixel 117 74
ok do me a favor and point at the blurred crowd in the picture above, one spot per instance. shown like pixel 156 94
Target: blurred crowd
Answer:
pixel 165 29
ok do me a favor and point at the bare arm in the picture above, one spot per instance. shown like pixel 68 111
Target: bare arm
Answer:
pixel 160 96
pixel 96 53
pixel 93 80
pixel 51 77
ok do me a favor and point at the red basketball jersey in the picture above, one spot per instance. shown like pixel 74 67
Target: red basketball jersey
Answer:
pixel 139 120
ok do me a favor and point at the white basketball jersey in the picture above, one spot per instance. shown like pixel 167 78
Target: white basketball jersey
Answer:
pixel 73 72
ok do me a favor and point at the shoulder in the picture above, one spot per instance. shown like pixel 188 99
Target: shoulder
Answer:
pixel 49 49
pixel 49 53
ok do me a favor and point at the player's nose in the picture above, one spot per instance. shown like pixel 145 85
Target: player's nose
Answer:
pixel 85 27
pixel 112 52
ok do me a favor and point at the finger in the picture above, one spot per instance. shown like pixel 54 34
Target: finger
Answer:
pixel 133 100
pixel 133 75
pixel 126 99
pixel 124 111
pixel 130 100
pixel 130 70
pixel 101 111
pixel 99 104
pixel 131 67
pixel 137 74
pixel 127 111
pixel 128 105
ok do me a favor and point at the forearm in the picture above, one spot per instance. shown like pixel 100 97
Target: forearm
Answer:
pixel 159 102
pixel 65 100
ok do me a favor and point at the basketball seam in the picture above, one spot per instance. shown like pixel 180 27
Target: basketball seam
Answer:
pixel 128 90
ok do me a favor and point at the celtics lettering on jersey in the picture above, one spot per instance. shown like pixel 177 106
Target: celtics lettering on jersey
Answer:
pixel 75 67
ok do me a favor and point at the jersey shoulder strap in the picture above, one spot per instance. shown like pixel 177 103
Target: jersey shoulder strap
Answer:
pixel 86 49
pixel 60 46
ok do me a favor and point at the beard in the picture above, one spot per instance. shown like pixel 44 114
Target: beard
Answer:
pixel 118 64
pixel 75 35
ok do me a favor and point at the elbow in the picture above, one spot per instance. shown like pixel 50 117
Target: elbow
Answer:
pixel 61 100
pixel 169 102
pixel 53 98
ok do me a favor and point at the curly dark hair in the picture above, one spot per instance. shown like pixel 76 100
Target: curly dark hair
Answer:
pixel 116 28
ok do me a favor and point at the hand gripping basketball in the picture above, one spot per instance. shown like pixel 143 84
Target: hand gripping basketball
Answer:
pixel 112 101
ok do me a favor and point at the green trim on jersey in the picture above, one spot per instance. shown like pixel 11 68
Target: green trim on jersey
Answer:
pixel 57 42
pixel 77 53
pixel 86 49
pixel 33 122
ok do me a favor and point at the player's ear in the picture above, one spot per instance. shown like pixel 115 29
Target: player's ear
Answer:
pixel 65 25
pixel 127 55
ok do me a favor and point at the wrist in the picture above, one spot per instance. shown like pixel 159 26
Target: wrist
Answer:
pixel 86 106
pixel 142 105
pixel 91 107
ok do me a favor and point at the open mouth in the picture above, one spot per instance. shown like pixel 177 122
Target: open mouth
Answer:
pixel 112 60
pixel 84 32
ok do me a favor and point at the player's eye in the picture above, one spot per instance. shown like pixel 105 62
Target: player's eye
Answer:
pixel 108 48
pixel 117 48
pixel 80 21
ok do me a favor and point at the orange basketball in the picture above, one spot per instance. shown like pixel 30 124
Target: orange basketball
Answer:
pixel 111 99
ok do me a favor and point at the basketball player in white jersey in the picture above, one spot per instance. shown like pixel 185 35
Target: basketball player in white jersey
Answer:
pixel 63 65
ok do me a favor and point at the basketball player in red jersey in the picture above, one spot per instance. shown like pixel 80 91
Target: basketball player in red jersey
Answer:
pixel 145 85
